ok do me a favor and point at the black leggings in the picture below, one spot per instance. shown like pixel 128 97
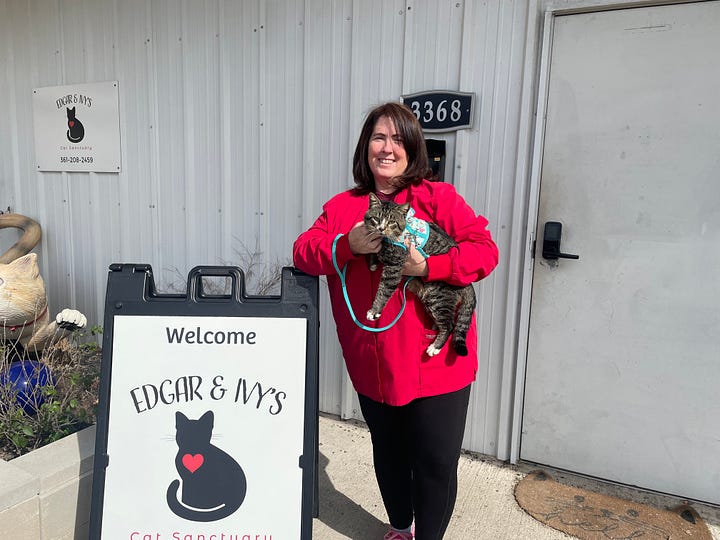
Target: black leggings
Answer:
pixel 416 448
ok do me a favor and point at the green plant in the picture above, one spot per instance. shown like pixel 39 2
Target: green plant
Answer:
pixel 63 406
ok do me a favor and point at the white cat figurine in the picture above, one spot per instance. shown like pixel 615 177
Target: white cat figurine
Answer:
pixel 24 314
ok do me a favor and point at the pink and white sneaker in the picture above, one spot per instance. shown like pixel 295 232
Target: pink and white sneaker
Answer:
pixel 397 535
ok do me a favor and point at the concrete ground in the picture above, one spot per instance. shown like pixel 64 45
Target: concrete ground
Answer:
pixel 350 504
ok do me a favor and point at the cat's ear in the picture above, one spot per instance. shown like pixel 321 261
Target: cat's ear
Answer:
pixel 27 263
pixel 374 200
pixel 208 418
pixel 180 417
pixel 405 207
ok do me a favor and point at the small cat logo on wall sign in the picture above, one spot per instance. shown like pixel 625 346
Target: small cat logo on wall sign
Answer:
pixel 76 131
pixel 213 483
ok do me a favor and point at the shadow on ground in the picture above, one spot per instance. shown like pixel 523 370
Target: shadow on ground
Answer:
pixel 340 513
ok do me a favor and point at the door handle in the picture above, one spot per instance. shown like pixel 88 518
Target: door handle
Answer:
pixel 551 242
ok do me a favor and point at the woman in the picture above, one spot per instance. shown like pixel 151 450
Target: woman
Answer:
pixel 415 405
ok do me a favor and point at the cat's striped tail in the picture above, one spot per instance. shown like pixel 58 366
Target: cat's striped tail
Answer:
pixel 464 318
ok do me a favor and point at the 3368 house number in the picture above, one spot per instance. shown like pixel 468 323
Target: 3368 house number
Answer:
pixel 442 110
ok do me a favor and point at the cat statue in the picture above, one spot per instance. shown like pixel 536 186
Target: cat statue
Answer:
pixel 24 314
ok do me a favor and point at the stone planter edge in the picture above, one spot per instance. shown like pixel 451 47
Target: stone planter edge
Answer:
pixel 45 494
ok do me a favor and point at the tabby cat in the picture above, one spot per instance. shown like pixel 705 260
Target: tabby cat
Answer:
pixel 24 317
pixel 213 483
pixel 450 306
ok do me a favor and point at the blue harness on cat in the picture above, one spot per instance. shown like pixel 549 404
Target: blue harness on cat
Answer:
pixel 417 232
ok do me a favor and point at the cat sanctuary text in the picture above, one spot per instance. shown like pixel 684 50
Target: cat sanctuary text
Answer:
pixel 210 337
pixel 200 536
pixel 193 387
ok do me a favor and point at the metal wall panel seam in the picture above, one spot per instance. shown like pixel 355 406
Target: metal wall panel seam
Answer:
pixel 12 191
pixel 262 139
pixel 532 214
pixel 504 170
pixel 516 241
pixel 153 117
pixel 477 414
pixel 225 143
pixel 493 203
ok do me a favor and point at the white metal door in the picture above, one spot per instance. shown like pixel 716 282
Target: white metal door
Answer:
pixel 623 364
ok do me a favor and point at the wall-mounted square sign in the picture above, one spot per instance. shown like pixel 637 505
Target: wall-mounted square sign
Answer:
pixel 441 110
pixel 77 127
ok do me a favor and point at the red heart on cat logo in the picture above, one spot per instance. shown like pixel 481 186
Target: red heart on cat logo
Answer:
pixel 193 463
pixel 71 123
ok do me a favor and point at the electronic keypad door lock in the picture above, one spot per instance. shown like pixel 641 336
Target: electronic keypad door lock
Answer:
pixel 551 242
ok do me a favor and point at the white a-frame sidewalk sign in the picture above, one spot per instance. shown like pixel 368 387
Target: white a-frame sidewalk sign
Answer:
pixel 207 421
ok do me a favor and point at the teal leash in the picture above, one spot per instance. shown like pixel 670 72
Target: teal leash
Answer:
pixel 341 273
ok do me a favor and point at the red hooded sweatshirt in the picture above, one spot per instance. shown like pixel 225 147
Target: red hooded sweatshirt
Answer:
pixel 392 366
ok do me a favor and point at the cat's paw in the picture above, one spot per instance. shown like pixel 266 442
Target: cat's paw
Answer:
pixel 432 350
pixel 70 319
pixel 372 316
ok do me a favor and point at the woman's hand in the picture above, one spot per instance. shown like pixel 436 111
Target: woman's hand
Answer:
pixel 415 264
pixel 362 240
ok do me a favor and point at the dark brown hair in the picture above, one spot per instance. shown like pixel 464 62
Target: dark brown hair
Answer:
pixel 413 141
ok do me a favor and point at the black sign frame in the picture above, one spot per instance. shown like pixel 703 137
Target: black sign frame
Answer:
pixel 131 291
pixel 442 110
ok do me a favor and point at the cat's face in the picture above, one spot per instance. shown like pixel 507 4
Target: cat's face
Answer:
pixel 193 433
pixel 22 291
pixel 386 217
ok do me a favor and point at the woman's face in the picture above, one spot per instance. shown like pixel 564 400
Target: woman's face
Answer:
pixel 386 154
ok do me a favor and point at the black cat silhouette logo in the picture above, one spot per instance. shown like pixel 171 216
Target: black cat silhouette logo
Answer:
pixel 76 131
pixel 213 483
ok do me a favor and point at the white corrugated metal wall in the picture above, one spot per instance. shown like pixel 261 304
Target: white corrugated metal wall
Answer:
pixel 239 118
